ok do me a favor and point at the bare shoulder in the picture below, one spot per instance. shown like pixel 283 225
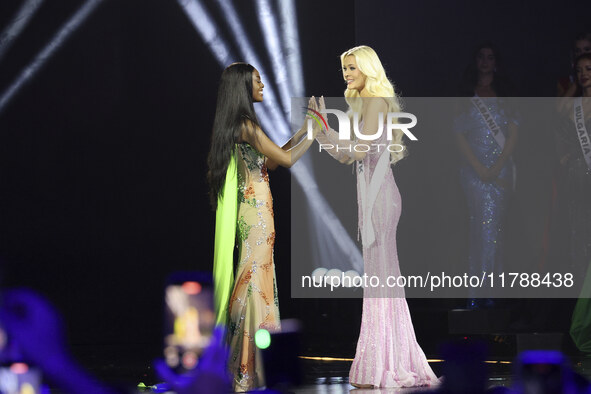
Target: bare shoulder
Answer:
pixel 250 132
pixel 376 104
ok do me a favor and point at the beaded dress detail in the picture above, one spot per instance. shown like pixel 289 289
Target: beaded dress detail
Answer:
pixel 387 354
pixel 253 303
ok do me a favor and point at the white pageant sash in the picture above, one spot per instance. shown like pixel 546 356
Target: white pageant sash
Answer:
pixel 494 129
pixel 579 118
pixel 489 120
pixel 368 197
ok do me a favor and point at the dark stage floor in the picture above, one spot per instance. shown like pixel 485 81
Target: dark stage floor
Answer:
pixel 128 370
pixel 127 365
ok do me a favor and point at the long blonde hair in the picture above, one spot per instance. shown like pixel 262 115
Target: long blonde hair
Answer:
pixel 377 84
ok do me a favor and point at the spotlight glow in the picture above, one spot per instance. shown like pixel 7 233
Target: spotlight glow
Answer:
pixel 328 237
pixel 352 274
pixel 18 23
pixel 283 50
pixel 275 51
pixel 211 35
pixel 318 274
pixel 249 55
pixel 207 29
pixel 291 45
pixel 334 272
pixel 262 338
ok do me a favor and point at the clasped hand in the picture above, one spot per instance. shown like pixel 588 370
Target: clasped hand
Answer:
pixel 344 159
pixel 489 175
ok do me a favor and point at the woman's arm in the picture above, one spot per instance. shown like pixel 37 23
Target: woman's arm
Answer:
pixel 344 150
pixel 571 91
pixel 510 144
pixel 296 139
pixel 275 155
pixel 293 141
pixel 488 174
pixel 559 90
pixel 340 150
pixel 36 328
pixel 471 158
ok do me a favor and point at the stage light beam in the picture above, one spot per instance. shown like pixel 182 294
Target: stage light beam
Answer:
pixel 275 51
pixel 18 24
pixel 327 225
pixel 249 55
pixel 49 50
pixel 291 47
pixel 205 26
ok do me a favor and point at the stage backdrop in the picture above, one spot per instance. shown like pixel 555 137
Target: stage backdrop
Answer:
pixel 102 152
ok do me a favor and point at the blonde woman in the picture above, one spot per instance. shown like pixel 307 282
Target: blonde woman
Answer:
pixel 388 354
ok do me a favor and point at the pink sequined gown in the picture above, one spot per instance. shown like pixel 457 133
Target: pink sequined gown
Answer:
pixel 388 354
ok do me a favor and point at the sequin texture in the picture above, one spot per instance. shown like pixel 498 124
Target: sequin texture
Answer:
pixel 387 354
pixel 254 301
pixel 487 201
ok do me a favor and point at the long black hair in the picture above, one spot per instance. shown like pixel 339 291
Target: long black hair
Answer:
pixel 500 84
pixel 234 108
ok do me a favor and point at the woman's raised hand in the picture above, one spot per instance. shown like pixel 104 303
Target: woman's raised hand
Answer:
pixel 313 105
pixel 321 104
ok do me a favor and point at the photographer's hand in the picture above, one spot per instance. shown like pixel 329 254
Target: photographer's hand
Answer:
pixel 36 329
pixel 210 375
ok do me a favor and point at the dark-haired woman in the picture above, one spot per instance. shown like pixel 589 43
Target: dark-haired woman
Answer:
pixel 487 171
pixel 239 188
pixel 578 170
pixel 575 158
pixel 568 86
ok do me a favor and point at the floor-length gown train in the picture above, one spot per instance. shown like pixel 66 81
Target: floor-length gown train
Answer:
pixel 254 302
pixel 387 354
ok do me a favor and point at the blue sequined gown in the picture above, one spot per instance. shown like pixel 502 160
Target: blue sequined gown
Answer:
pixel 487 202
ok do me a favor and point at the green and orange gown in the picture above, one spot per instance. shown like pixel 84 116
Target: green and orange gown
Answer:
pixel 253 302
